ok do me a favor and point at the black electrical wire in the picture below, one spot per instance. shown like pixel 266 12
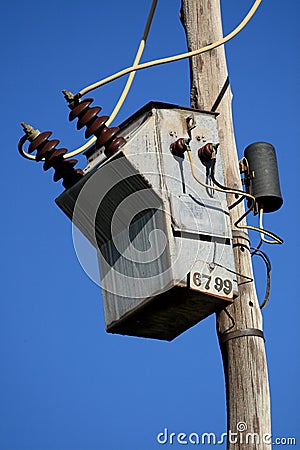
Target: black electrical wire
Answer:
pixel 254 250
pixel 239 200
pixel 265 258
pixel 225 188
pixel 261 230
pixel 257 247
pixel 212 175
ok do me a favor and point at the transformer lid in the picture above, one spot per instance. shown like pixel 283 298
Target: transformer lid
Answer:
pixel 153 104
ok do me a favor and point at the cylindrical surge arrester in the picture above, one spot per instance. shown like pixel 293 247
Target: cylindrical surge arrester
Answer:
pixel 264 179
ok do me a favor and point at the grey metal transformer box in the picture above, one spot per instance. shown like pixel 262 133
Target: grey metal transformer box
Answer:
pixel 163 241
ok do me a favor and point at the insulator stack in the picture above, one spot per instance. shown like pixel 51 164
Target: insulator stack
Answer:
pixel 95 125
pixel 53 157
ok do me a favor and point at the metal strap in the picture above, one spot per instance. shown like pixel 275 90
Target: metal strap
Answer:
pixel 238 234
pixel 240 333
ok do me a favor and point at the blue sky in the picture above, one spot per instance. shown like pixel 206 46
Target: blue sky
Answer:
pixel 64 383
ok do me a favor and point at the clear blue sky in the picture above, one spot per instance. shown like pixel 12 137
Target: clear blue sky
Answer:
pixel 64 383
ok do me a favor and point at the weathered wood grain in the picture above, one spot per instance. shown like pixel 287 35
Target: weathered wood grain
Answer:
pixel 244 358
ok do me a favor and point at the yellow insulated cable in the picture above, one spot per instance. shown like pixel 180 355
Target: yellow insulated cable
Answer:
pixel 132 70
pixel 210 186
pixel 135 63
pixel 127 85
pixel 124 93
pixel 136 66
pixel 277 239
pixel 169 59
pixel 260 229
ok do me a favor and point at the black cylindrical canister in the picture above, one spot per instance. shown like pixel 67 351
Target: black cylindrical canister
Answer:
pixel 264 185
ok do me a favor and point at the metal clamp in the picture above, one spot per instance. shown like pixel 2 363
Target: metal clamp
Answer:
pixel 240 333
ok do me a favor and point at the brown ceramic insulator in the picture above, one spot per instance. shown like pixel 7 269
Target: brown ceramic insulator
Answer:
pixel 178 148
pixel 114 146
pixel 72 177
pixel 39 140
pixel 106 135
pixel 87 117
pixel 62 168
pixel 205 153
pixel 53 157
pixel 46 149
pixel 95 125
pixel 80 108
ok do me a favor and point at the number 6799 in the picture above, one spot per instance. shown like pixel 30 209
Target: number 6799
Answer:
pixel 207 281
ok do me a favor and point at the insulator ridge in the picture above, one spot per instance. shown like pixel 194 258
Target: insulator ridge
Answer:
pixel 53 157
pixel 95 125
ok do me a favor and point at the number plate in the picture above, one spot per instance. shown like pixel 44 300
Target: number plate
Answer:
pixel 217 282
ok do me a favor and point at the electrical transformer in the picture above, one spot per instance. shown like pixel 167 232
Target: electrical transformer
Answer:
pixel 163 240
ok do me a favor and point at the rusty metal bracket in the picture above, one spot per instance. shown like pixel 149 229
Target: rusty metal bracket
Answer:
pixel 191 124
pixel 240 333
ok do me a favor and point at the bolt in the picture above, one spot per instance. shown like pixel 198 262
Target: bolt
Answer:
pixel 72 99
pixel 30 131
pixel 198 138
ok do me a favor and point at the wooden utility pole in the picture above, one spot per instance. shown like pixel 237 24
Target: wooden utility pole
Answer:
pixel 239 327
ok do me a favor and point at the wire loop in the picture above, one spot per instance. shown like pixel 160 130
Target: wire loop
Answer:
pixel 228 190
